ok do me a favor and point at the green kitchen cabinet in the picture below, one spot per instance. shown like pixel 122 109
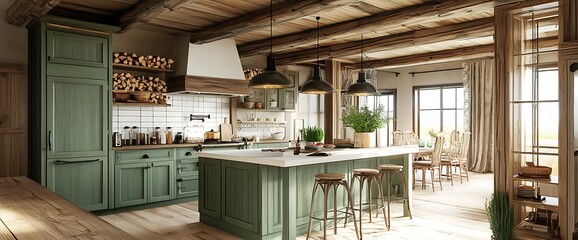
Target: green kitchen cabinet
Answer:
pixel 77 49
pixel 83 181
pixel 69 108
pixel 240 198
pixel 144 182
pixel 77 122
pixel 210 170
pixel 187 187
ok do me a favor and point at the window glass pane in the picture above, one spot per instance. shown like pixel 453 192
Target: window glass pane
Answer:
pixel 548 124
pixel 460 121
pixel 550 161
pixel 449 98
pixel 428 119
pixel 548 85
pixel 429 98
pixel 522 87
pixel 460 98
pixel 522 119
pixel 449 121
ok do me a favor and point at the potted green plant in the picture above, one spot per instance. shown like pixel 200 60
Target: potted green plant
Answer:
pixel 501 216
pixel 365 121
pixel 311 135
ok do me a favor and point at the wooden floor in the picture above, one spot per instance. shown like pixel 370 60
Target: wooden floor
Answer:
pixel 455 213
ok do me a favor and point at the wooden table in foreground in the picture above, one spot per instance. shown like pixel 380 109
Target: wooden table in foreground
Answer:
pixel 264 195
pixel 30 211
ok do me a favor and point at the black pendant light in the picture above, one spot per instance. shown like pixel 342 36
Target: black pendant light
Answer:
pixel 316 85
pixel 361 87
pixel 270 78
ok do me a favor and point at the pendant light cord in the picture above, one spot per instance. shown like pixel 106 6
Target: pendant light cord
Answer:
pixel 271 27
pixel 318 40
pixel 361 62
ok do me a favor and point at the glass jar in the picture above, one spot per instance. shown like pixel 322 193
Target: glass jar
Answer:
pixel 153 140
pixel 179 137
pixel 157 135
pixel 134 139
pixel 169 135
pixel 126 136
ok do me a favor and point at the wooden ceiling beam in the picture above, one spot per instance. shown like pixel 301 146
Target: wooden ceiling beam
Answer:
pixel 472 29
pixel 425 58
pixel 411 15
pixel 147 10
pixel 282 12
pixel 22 11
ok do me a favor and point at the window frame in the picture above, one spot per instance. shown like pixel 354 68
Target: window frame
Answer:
pixel 416 108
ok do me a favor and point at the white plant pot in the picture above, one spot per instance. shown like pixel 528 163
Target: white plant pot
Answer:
pixel 364 139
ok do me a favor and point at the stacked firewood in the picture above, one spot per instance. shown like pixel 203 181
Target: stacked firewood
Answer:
pixel 251 72
pixel 145 61
pixel 128 82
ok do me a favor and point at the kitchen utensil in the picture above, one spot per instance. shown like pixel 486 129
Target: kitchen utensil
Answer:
pixel 212 135
pixel 116 139
pixel 226 131
pixel 248 104
pixel 258 105
pixel 269 119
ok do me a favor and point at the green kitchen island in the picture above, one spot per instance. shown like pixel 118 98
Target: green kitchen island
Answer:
pixel 267 195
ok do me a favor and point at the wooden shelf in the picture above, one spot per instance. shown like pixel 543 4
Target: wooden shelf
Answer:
pixel 140 104
pixel 139 68
pixel 262 122
pixel 522 232
pixel 551 203
pixel 260 109
pixel 551 180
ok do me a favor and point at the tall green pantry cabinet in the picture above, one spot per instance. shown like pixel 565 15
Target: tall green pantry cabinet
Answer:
pixel 70 105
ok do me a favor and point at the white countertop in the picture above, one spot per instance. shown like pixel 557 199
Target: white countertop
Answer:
pixel 287 159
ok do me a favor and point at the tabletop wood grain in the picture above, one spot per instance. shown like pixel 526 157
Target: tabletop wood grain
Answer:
pixel 30 211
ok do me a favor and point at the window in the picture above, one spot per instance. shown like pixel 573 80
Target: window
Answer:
pixel 387 100
pixel 438 108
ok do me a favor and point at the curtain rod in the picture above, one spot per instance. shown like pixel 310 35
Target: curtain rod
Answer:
pixel 440 70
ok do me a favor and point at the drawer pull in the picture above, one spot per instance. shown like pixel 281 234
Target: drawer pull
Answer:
pixel 197 164
pixel 145 156
pixel 66 162
pixel 188 154
pixel 179 180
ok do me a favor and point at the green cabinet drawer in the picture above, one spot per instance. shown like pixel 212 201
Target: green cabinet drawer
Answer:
pixel 187 187
pixel 187 167
pixel 144 155
pixel 186 153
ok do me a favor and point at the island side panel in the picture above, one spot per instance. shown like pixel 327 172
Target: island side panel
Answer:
pixel 405 160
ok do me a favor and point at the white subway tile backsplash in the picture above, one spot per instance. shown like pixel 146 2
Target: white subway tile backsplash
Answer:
pixel 176 115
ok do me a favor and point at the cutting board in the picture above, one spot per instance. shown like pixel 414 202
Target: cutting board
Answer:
pixel 226 131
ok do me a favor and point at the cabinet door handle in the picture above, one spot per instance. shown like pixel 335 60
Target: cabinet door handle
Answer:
pixel 169 153
pixel 197 164
pixel 49 140
pixel 145 156
pixel 83 161
pixel 179 179
pixel 188 154
pixel 152 164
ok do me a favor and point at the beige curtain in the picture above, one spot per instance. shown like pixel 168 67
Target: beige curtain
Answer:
pixel 479 113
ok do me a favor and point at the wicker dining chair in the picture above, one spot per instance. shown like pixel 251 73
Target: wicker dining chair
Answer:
pixel 432 164
pixel 462 161
pixel 397 138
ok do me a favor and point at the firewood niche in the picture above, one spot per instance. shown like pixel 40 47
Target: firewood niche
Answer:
pixel 140 80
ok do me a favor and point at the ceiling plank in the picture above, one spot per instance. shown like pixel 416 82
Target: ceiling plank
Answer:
pixel 147 10
pixel 282 12
pixel 22 11
pixel 428 11
pixel 426 57
pixel 471 29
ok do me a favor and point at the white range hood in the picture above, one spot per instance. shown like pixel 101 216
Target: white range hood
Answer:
pixel 212 68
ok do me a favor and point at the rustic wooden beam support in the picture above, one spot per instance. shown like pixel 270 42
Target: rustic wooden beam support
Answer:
pixel 147 10
pixel 472 29
pixel 332 103
pixel 426 57
pixel 428 11
pixel 22 11
pixel 282 12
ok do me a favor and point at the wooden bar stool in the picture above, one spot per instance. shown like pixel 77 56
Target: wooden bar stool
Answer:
pixel 388 170
pixel 328 181
pixel 369 175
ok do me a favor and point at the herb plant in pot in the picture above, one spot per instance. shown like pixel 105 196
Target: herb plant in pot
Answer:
pixel 500 216
pixel 365 121
pixel 311 136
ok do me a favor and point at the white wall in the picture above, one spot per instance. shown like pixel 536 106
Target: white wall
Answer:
pixel 405 82
pixel 13 40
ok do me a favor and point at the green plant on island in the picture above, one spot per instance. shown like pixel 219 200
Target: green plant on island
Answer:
pixel 501 216
pixel 365 119
pixel 312 134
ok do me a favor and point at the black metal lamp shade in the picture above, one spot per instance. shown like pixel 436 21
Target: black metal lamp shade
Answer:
pixel 361 87
pixel 316 85
pixel 270 78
